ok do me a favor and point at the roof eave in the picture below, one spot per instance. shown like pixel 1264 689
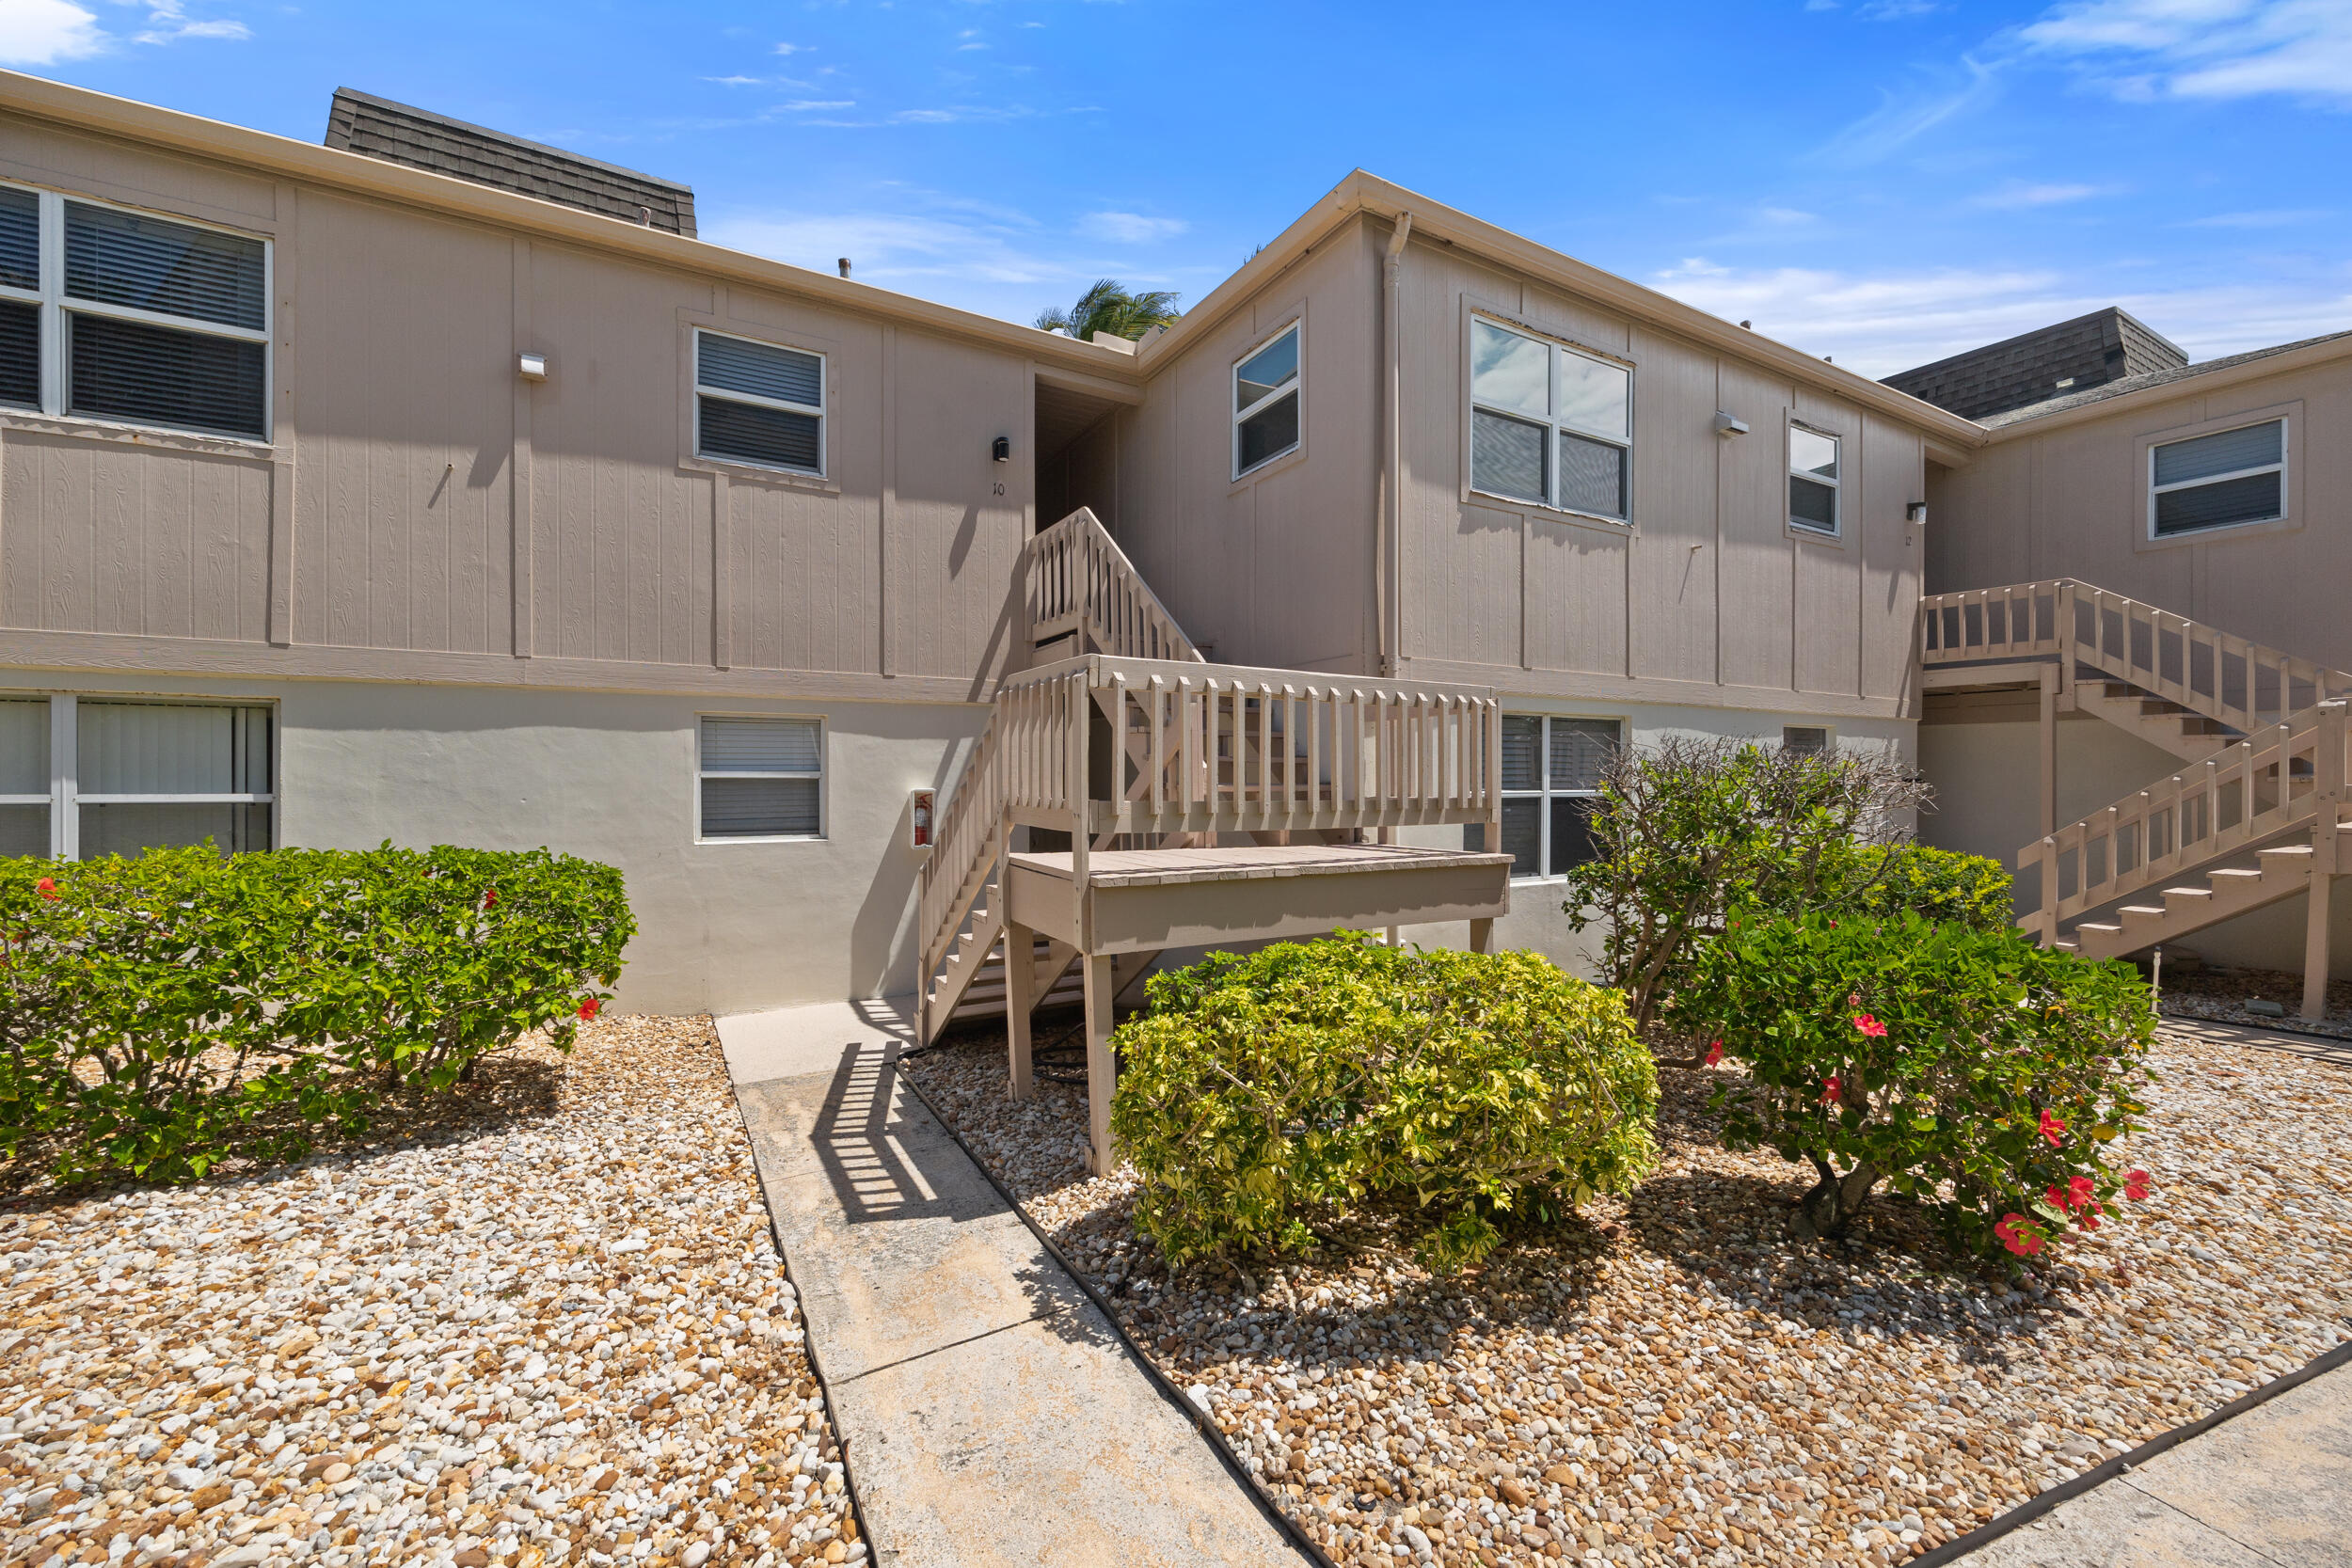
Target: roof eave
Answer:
pixel 192 135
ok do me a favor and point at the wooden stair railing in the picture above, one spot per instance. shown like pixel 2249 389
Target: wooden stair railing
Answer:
pixel 2287 782
pixel 1077 583
pixel 2199 670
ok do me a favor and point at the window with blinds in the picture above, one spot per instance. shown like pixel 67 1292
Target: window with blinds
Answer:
pixel 759 404
pixel 112 314
pixel 2218 481
pixel 1265 402
pixel 1806 741
pixel 81 777
pixel 1549 425
pixel 761 777
pixel 1551 777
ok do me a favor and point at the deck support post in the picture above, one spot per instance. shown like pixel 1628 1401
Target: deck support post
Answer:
pixel 2327 782
pixel 1482 936
pixel 2049 748
pixel 1100 1069
pixel 1020 1001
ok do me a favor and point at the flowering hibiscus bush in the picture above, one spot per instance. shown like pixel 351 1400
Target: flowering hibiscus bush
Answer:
pixel 1984 1076
pixel 1310 1076
pixel 158 1014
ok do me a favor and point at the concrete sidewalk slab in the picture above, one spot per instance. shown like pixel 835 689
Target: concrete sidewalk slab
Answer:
pixel 988 1414
pixel 793 1043
pixel 2270 1487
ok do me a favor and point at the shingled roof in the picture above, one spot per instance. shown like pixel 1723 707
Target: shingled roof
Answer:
pixel 2051 362
pixel 399 134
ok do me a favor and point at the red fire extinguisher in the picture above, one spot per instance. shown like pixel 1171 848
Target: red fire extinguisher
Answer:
pixel 923 802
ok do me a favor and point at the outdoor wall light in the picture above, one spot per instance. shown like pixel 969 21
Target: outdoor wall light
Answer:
pixel 1002 449
pixel 532 366
pixel 1726 426
pixel 1915 511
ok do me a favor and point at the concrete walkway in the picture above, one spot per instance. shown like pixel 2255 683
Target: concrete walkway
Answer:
pixel 988 1413
pixel 2270 1487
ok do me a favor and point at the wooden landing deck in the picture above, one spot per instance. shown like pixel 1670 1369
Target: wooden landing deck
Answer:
pixel 1147 900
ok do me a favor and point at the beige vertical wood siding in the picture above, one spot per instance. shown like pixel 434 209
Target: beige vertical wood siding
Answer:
pixel 402 424
pixel 1275 568
pixel 2071 500
pixel 1708 588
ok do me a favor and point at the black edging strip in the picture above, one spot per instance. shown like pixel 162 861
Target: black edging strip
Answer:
pixel 809 1339
pixel 2035 1506
pixel 1175 1395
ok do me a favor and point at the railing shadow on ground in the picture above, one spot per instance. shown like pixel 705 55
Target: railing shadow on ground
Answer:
pixel 873 1175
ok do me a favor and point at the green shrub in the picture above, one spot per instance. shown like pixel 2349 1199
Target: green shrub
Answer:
pixel 157 1014
pixel 1688 830
pixel 1982 1075
pixel 1312 1076
pixel 1938 884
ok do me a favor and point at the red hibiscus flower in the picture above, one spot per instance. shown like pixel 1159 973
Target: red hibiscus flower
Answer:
pixel 2017 1236
pixel 46 887
pixel 1714 1052
pixel 1833 1090
pixel 489 898
pixel 1869 1025
pixel 2052 1128
pixel 591 1007
pixel 2134 1184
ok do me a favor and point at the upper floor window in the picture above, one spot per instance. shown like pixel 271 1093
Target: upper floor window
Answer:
pixel 1550 423
pixel 1265 402
pixel 762 778
pixel 2228 477
pixel 1551 778
pixel 111 314
pixel 759 404
pixel 84 777
pixel 1813 482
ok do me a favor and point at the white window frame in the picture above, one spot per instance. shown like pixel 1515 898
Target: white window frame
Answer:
pixel 1836 486
pixel 824 755
pixel 55 304
pixel 66 798
pixel 1828 734
pixel 1298 388
pixel 1553 425
pixel 726 394
pixel 2286 434
pixel 1545 794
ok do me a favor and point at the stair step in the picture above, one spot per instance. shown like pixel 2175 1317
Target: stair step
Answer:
pixel 2289 849
pixel 2093 926
pixel 2144 910
pixel 2189 892
pixel 2231 871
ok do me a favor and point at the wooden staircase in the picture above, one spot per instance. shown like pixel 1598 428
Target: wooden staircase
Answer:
pixel 2258 817
pixel 1200 804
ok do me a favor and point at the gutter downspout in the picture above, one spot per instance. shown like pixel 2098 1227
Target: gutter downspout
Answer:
pixel 1388 588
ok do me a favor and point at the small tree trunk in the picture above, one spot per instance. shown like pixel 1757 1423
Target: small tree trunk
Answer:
pixel 1829 1209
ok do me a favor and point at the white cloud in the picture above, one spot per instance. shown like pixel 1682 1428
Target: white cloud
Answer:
pixel 168 22
pixel 803 104
pixel 1130 228
pixel 791 48
pixel 1903 115
pixel 42 32
pixel 2019 193
pixel 1878 324
pixel 734 80
pixel 2211 49
pixel 2276 217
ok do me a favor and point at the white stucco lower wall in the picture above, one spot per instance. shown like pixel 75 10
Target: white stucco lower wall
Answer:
pixel 1538 922
pixel 1986 774
pixel 610 776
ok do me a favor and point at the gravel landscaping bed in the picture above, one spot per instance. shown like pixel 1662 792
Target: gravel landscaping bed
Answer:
pixel 1668 1379
pixel 2221 996
pixel 543 1323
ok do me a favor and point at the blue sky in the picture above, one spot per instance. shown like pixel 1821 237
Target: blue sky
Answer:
pixel 1880 181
